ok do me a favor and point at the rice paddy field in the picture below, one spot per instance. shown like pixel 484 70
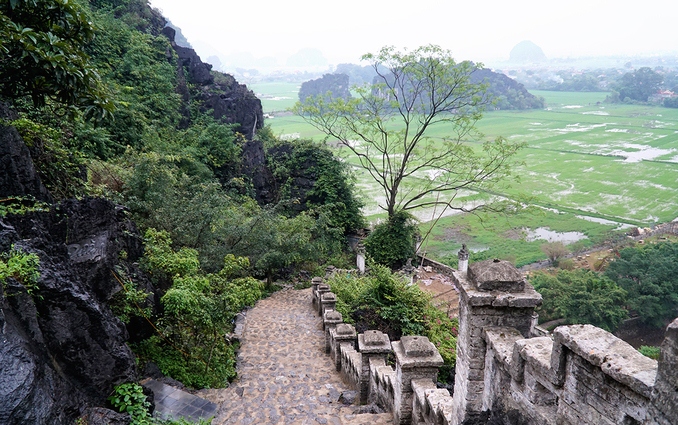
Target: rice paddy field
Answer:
pixel 589 169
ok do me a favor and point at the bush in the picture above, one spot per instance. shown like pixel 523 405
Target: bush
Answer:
pixel 22 267
pixel 650 351
pixel 384 301
pixel 198 312
pixel 392 243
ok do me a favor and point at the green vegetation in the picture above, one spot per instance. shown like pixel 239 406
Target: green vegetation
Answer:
pixel 580 296
pixel 22 267
pixel 199 311
pixel 384 301
pixel 649 274
pixel 650 351
pixel 179 171
pixel 637 85
pixel 130 398
pixel 391 243
pixel 42 42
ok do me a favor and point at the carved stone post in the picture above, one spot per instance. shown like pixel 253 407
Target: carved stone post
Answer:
pixel 343 335
pixel 463 255
pixel 315 282
pixel 494 293
pixel 360 258
pixel 372 345
pixel 328 302
pixel 416 358
pixel 330 321
pixel 322 289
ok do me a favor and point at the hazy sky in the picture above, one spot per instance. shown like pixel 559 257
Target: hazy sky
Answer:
pixel 476 30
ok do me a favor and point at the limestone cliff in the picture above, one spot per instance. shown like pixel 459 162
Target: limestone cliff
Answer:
pixel 61 348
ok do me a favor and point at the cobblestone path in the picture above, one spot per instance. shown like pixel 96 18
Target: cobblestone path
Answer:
pixel 284 375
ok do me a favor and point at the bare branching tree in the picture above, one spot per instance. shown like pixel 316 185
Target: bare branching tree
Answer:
pixel 387 126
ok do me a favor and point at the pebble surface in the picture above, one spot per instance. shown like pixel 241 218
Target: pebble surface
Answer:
pixel 284 375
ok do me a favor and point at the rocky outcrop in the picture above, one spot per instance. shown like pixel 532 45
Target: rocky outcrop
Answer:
pixel 19 177
pixel 231 102
pixel 335 84
pixel 61 348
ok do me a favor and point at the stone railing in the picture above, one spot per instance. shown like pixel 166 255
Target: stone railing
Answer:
pixel 580 374
pixel 361 360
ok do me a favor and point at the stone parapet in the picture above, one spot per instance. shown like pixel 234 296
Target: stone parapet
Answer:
pixel 322 289
pixel 330 321
pixel 416 358
pixel 431 405
pixel 582 375
pixel 328 302
pixel 315 282
pixel 373 345
pixel 351 366
pixel 343 335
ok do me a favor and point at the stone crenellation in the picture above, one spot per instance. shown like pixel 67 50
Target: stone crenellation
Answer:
pixel 508 371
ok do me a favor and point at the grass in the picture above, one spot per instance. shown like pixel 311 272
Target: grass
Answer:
pixel 584 158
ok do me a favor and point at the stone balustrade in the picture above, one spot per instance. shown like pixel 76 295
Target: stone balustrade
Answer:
pixel 506 374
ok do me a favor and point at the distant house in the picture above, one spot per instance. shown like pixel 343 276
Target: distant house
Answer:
pixel 661 95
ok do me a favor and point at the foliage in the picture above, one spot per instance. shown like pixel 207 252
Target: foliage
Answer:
pixel 22 267
pixel 392 243
pixel 650 351
pixel 310 177
pixel 554 251
pixel 131 301
pixel 442 332
pixel 639 85
pixel 198 311
pixel 42 56
pixel 130 398
pixel 384 301
pixel 650 275
pixel 59 166
pixel 386 129
pixel 581 296
pixel 20 205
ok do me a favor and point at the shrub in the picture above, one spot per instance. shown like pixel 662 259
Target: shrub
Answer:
pixel 22 267
pixel 650 351
pixel 384 301
pixel 392 243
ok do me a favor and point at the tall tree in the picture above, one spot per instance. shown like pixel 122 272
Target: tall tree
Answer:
pixel 650 275
pixel 639 84
pixel 391 120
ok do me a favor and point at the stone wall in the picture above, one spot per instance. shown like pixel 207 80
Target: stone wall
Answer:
pixel 507 371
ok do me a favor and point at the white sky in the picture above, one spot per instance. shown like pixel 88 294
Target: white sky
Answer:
pixel 479 30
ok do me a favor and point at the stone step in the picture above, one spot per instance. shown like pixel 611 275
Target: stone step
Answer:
pixel 173 403
pixel 367 419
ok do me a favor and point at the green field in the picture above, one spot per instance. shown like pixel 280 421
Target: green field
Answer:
pixel 583 159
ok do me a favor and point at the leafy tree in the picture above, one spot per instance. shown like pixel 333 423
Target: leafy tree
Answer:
pixel 639 85
pixel 581 296
pixel 42 55
pixel 198 312
pixel 391 243
pixel 386 128
pixel 310 178
pixel 650 275
pixel 554 251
